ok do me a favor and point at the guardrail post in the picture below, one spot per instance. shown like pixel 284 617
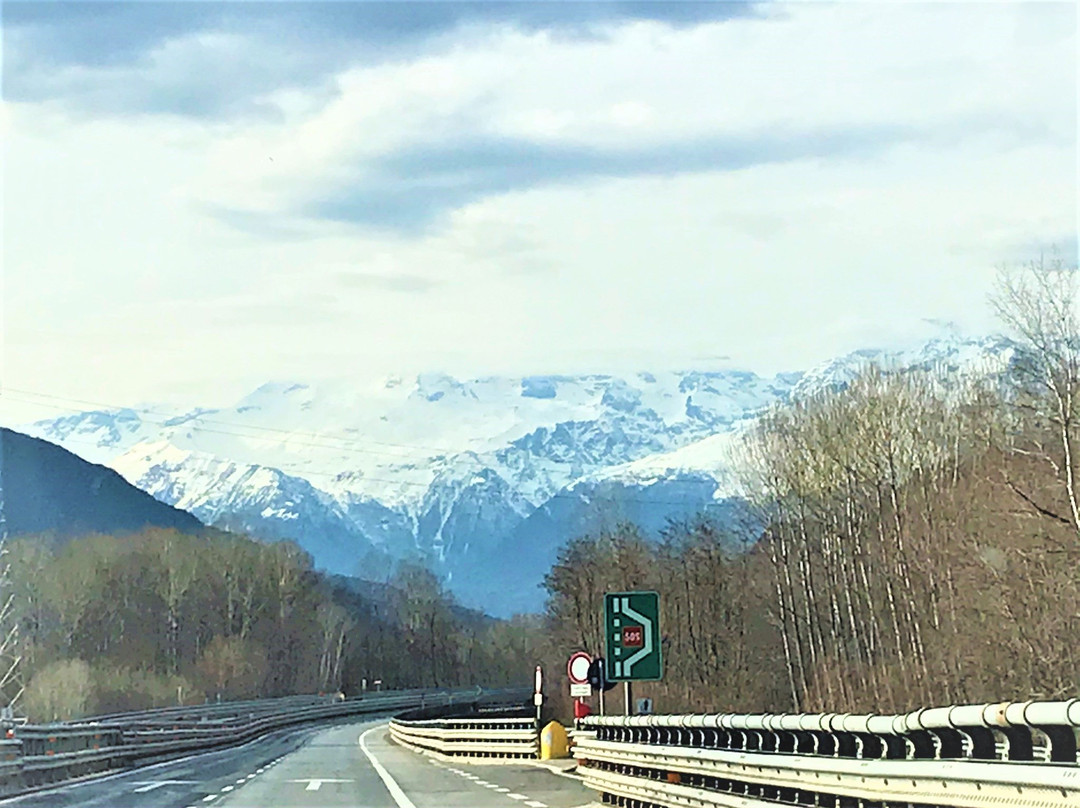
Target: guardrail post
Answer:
pixel 1062 743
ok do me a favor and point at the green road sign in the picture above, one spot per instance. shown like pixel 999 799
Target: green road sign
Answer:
pixel 632 631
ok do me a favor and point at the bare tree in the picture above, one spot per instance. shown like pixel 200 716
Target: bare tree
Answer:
pixel 1038 305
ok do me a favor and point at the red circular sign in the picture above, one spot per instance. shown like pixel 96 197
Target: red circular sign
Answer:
pixel 578 667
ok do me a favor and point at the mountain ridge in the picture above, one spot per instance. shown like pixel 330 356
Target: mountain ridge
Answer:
pixel 462 474
pixel 48 490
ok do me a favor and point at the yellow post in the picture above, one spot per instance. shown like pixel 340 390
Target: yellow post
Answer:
pixel 554 742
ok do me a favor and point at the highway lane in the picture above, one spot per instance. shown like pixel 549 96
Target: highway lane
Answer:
pixel 347 766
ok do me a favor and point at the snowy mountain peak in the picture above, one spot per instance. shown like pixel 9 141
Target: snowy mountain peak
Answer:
pixel 468 473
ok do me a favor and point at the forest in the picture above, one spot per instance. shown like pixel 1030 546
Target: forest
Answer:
pixel 917 541
pixel 110 623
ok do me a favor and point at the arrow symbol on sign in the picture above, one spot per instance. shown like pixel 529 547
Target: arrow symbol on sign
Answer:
pixel 646 647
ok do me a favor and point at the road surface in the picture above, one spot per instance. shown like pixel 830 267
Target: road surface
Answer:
pixel 350 766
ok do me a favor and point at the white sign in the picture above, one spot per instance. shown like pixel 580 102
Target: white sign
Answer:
pixel 580 689
pixel 578 667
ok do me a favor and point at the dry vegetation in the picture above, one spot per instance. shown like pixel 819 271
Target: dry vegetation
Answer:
pixel 920 542
pixel 111 623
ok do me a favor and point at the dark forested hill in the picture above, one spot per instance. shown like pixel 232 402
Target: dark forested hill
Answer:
pixel 46 489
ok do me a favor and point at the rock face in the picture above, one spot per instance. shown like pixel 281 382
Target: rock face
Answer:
pixel 483 478
pixel 47 490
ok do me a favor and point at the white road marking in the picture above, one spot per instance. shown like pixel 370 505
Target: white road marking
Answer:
pixel 493 785
pixel 482 782
pixel 150 785
pixel 209 797
pixel 517 796
pixel 536 804
pixel 242 780
pixel 391 784
pixel 503 790
pixel 315 783
pixel 227 789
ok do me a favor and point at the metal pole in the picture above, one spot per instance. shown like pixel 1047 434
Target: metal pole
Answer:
pixel 628 695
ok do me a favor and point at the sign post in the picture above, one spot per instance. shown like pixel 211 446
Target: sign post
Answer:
pixel 632 637
pixel 577 671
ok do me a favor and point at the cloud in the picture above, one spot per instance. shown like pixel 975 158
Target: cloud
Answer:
pixel 403 144
pixel 213 60
pixel 409 189
pixel 513 198
pixel 410 284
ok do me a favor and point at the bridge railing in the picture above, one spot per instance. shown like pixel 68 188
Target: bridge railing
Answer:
pixel 1011 754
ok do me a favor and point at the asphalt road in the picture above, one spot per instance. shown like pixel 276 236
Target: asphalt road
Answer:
pixel 350 766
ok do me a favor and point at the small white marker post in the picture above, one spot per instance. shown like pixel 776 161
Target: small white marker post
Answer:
pixel 538 696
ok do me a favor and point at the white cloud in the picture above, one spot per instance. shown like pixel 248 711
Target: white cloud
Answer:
pixel 120 286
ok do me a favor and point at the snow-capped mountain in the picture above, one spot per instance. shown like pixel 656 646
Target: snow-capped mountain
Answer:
pixel 482 478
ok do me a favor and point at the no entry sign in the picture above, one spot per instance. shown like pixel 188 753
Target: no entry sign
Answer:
pixel 577 669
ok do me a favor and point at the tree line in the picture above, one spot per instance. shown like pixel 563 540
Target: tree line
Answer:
pixel 915 541
pixel 111 623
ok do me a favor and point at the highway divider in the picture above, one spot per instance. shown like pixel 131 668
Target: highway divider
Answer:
pixel 480 738
pixel 1010 754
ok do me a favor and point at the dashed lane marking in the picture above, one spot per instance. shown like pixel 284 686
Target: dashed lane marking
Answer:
pixel 209 797
pixel 536 804
pixel 227 789
pixel 517 796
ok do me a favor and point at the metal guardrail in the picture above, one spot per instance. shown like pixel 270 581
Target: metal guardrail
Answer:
pixel 1011 754
pixel 488 738
pixel 33 755
pixel 497 727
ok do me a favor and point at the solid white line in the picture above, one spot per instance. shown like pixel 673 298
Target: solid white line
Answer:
pixel 391 784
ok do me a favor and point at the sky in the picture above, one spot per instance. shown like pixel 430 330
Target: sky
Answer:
pixel 199 197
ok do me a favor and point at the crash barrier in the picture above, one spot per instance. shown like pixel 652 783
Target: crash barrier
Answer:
pixel 1010 754
pixel 35 755
pixel 496 738
pixel 491 732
